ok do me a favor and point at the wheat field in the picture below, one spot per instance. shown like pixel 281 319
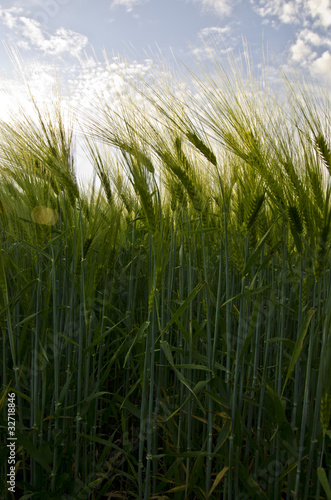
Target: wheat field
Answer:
pixel 167 331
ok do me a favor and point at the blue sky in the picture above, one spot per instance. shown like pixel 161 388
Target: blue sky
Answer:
pixel 57 32
pixel 53 37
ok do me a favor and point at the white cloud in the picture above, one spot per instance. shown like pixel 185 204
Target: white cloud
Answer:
pixel 308 51
pixel 286 11
pixel 9 16
pixel 23 44
pixel 14 91
pixel 31 31
pixel 31 34
pixel 314 38
pixel 128 4
pixel 45 86
pixel 215 42
pixel 64 41
pixel 213 31
pixel 295 11
pixel 107 79
pixel 320 10
pixel 301 52
pixel 312 41
pixel 220 7
pixel 322 65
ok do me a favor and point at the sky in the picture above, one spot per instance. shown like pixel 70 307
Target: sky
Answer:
pixel 65 40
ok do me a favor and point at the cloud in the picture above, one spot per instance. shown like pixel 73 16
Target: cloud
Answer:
pixel 9 16
pixel 322 65
pixel 213 31
pixel 310 48
pixel 220 7
pixel 128 4
pixel 46 86
pixel 320 10
pixel 301 52
pixel 295 11
pixel 215 41
pixel 30 34
pixel 107 82
pixel 314 38
pixel 286 12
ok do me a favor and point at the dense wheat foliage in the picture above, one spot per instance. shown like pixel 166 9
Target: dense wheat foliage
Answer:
pixel 167 335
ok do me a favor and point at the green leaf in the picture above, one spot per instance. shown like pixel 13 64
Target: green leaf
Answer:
pixel 15 299
pixel 278 406
pixel 109 443
pixel 168 354
pixel 39 455
pixel 184 305
pixel 222 402
pixel 198 387
pixel 68 339
pixel 223 435
pixel 248 293
pixel 137 337
pixel 129 406
pixel 22 395
pixel 263 264
pixel 324 482
pixel 38 250
pixel 193 367
pixel 289 343
pixel 257 252
pixel 176 488
pixel 104 335
pixel 204 230
pixel 252 486
pixel 94 396
pixel 251 328
pixel 218 479
pixel 65 388
pixel 298 346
